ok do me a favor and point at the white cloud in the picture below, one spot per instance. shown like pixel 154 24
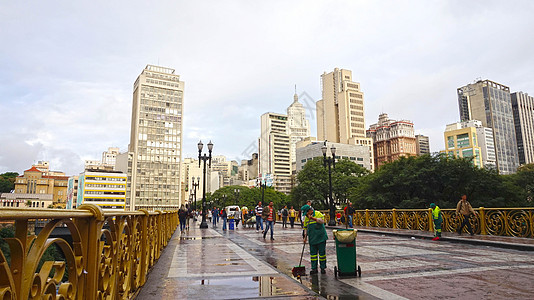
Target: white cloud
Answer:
pixel 67 68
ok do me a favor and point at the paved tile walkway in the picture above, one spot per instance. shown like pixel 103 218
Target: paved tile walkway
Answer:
pixel 240 264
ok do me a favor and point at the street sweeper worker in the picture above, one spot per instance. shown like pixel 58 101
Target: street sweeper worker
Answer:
pixel 437 217
pixel 315 232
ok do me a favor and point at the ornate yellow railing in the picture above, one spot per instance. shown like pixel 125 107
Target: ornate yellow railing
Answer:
pixel 108 258
pixel 518 222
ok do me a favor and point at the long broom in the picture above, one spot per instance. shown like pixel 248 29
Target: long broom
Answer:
pixel 300 270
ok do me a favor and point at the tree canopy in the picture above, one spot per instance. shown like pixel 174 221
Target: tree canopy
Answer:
pixel 313 182
pixel 248 197
pixel 415 182
pixel 7 181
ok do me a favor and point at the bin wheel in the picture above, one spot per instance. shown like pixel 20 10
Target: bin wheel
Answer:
pixel 359 271
pixel 335 272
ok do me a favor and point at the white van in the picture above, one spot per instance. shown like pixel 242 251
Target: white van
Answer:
pixel 233 211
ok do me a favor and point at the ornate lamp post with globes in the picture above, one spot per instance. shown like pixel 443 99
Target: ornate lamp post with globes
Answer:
pixel 206 159
pixel 331 162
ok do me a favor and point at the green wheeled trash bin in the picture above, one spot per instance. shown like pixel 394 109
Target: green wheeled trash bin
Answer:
pixel 346 253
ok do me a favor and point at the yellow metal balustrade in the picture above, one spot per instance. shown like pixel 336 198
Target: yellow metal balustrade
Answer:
pixel 518 222
pixel 108 257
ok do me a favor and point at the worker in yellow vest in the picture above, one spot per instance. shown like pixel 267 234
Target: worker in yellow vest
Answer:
pixel 437 217
pixel 315 231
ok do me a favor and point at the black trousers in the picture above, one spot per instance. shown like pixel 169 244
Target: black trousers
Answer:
pixel 464 223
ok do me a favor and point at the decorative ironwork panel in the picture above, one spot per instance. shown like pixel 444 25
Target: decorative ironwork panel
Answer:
pixel 102 256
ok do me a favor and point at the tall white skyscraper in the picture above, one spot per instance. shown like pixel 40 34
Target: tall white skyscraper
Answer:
pixel 297 124
pixel 156 140
pixel 274 151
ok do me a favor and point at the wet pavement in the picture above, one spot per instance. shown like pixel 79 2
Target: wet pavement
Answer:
pixel 396 264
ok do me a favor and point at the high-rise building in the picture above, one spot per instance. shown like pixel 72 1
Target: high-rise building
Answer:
pixel 104 189
pixel 109 157
pixel 422 144
pixel 391 139
pixel 490 103
pixel 461 140
pixel 156 140
pixel 248 170
pixel 358 154
pixel 274 151
pixel 340 113
pixel 523 111
pixel 298 125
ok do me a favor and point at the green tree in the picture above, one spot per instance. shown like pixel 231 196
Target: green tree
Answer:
pixel 248 197
pixel 7 181
pixel 415 182
pixel 313 182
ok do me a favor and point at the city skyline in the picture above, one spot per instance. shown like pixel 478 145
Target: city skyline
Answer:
pixel 67 70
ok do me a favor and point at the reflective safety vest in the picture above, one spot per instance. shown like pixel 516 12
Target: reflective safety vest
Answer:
pixel 316 231
pixel 436 214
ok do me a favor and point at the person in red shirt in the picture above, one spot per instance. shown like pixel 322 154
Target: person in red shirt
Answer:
pixel 269 217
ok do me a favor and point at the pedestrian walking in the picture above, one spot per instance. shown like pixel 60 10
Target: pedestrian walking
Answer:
pixel 188 217
pixel 292 216
pixel 437 217
pixel 269 214
pixel 349 213
pixel 215 216
pixel 182 215
pixel 338 218
pixel 244 215
pixel 259 211
pixel 315 232
pixel 465 209
pixel 224 216
pixel 285 214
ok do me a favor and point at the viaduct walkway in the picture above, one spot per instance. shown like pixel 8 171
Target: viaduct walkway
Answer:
pixel 396 264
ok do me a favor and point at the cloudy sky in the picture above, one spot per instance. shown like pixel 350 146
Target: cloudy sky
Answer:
pixel 67 68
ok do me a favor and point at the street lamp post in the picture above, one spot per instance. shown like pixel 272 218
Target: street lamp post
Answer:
pixel 331 162
pixel 263 185
pixel 236 193
pixel 194 186
pixel 206 159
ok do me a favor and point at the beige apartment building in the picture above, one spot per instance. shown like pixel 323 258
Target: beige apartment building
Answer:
pixel 340 112
pixel 523 111
pixel 275 151
pixel 422 144
pixel 35 181
pixel 155 150
pixel 392 139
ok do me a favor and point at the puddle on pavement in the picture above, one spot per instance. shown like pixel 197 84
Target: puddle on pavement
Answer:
pixel 230 264
pixel 190 238
pixel 252 286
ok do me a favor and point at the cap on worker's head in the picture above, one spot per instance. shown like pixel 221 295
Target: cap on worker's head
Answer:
pixel 305 208
pixel 432 205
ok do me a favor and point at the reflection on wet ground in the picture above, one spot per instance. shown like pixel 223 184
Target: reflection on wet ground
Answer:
pixel 240 264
